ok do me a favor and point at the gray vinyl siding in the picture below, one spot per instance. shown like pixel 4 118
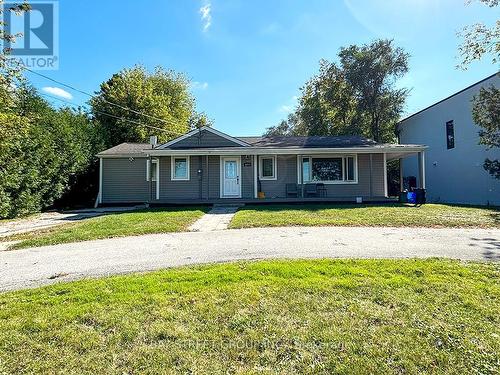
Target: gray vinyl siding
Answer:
pixel 286 172
pixel 247 179
pixel 204 139
pixel 172 189
pixel 362 188
pixel 124 180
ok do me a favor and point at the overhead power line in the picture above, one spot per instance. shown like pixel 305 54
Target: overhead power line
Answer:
pixel 114 116
pixel 99 98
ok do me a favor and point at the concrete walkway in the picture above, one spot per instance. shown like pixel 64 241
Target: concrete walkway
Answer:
pixel 45 265
pixel 218 218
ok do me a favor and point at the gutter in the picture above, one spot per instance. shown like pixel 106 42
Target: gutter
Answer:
pixel 284 151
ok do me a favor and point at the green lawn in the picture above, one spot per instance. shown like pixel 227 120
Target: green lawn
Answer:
pixel 323 316
pixel 398 215
pixel 113 225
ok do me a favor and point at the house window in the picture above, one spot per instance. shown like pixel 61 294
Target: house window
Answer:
pixel 450 135
pixel 180 168
pixel 268 168
pixel 340 169
pixel 152 172
pixel 306 169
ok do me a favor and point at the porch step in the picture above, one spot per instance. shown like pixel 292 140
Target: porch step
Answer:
pixel 232 205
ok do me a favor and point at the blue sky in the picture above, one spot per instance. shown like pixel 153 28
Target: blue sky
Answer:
pixel 248 59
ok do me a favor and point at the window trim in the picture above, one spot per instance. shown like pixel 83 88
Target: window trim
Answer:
pixel 450 146
pixel 172 168
pixel 274 177
pixel 331 156
pixel 148 166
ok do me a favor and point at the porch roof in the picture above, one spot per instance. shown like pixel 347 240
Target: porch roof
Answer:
pixel 395 150
pixel 274 145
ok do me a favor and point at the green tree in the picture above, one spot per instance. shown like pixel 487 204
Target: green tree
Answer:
pixel 41 150
pixel 10 71
pixel 134 97
pixel 372 71
pixel 486 114
pixel 479 40
pixel 357 96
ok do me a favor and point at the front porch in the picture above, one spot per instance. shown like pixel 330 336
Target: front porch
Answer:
pixel 256 201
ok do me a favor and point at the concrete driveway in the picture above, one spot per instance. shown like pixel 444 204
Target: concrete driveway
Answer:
pixel 29 268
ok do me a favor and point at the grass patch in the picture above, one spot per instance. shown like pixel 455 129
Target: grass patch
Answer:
pixel 120 224
pixel 397 215
pixel 314 316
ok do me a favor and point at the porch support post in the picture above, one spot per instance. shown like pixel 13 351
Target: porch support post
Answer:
pixel 421 169
pixel 371 175
pixel 255 176
pixel 401 178
pixel 386 190
pixel 150 179
pixel 300 171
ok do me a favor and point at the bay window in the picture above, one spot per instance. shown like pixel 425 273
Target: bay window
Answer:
pixel 329 169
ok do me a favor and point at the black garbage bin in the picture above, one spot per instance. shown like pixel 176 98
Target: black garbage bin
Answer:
pixel 420 196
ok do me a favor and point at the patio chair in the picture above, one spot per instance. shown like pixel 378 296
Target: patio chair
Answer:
pixel 311 190
pixel 292 190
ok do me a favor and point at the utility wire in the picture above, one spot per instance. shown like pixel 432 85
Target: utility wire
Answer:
pixel 110 115
pixel 98 98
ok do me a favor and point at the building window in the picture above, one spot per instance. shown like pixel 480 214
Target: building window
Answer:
pixel 267 168
pixel 341 169
pixel 152 172
pixel 180 168
pixel 450 135
pixel 306 169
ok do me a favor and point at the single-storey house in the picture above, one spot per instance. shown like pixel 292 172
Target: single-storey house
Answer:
pixel 208 166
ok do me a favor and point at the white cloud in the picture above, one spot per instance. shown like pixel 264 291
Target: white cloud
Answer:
pixel 57 92
pixel 285 109
pixel 290 106
pixel 199 85
pixel 206 16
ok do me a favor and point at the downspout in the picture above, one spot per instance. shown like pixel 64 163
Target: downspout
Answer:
pixel 401 178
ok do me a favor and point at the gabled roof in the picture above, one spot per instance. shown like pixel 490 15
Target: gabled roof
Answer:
pixel 197 131
pixel 259 145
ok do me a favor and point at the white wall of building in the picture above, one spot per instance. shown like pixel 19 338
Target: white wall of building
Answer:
pixel 455 175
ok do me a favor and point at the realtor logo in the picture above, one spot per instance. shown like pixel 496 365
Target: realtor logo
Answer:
pixel 37 45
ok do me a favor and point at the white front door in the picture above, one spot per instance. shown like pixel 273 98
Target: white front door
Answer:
pixel 231 181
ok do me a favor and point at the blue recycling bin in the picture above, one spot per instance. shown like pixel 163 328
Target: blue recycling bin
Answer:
pixel 411 197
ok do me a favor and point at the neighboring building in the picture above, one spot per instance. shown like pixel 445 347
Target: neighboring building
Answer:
pixel 454 159
pixel 208 166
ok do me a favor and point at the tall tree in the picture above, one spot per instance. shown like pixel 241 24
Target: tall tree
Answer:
pixel 134 100
pixel 10 70
pixel 486 114
pixel 358 96
pixel 479 40
pixel 372 71
pixel 41 150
